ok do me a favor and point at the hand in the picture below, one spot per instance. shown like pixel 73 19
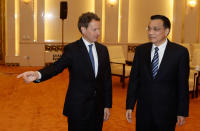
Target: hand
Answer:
pixel 180 120
pixel 106 114
pixel 29 76
pixel 129 115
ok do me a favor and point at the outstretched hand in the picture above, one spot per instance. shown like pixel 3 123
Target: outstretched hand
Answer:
pixel 29 76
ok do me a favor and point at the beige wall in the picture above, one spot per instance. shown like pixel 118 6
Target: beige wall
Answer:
pixel 26 22
pixel 10 28
pixel 186 22
pixel 111 23
pixel 131 21
pixel 32 54
pixel 53 25
pixel 139 16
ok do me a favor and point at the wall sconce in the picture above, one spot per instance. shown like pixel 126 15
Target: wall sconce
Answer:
pixel 192 3
pixel 26 1
pixel 112 2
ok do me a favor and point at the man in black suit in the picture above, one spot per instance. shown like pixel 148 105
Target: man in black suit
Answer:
pixel 159 81
pixel 89 96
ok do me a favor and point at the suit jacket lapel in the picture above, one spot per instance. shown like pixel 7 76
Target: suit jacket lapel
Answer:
pixel 99 53
pixel 86 56
pixel 148 58
pixel 164 59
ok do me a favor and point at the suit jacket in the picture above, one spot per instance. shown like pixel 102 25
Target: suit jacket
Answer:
pixel 87 96
pixel 165 97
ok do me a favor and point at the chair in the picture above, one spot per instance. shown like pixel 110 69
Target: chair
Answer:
pixel 118 62
pixel 195 54
pixel 193 82
pixel 196 62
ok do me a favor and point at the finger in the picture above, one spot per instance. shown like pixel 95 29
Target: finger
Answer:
pixel 180 121
pixel 129 120
pixel 129 117
pixel 105 117
pixel 20 75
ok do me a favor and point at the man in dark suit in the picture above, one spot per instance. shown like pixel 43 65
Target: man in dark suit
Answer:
pixel 89 95
pixel 159 81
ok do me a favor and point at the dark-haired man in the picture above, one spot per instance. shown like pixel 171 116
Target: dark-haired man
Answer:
pixel 89 94
pixel 159 81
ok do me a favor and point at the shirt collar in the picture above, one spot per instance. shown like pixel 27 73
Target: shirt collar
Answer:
pixel 86 42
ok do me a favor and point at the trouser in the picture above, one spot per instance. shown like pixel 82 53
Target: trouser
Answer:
pixel 85 125
pixel 148 124
pixel 155 128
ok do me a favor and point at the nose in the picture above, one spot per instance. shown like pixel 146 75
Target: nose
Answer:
pixel 151 31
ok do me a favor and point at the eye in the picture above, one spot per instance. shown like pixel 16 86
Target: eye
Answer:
pixel 154 29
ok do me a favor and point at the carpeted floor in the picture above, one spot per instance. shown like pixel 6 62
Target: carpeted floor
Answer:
pixel 38 107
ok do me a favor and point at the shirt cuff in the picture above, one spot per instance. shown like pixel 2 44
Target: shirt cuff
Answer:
pixel 39 77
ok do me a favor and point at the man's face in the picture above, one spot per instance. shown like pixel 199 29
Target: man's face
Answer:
pixel 92 32
pixel 157 34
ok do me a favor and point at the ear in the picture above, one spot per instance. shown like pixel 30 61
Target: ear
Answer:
pixel 83 30
pixel 167 32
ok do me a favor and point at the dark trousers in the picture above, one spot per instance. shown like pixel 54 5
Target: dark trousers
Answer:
pixel 147 123
pixel 85 125
pixel 150 125
pixel 155 128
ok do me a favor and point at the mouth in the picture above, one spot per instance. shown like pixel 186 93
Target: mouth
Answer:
pixel 152 37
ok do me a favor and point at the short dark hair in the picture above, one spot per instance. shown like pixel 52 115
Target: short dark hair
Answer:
pixel 166 21
pixel 86 18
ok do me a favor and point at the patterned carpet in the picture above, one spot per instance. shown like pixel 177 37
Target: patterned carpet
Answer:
pixel 38 107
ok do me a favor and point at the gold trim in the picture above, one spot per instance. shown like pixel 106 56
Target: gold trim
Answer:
pixel 2 38
pixel 198 23
pixel 119 20
pixel 183 21
pixel 103 21
pixel 35 3
pixel 174 21
pixel 17 28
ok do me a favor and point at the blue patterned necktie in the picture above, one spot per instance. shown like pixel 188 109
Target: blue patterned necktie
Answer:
pixel 91 56
pixel 155 62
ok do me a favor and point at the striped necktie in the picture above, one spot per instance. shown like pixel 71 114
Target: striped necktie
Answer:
pixel 155 62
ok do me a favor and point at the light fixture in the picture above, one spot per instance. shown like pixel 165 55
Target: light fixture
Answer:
pixel 192 3
pixel 26 1
pixel 112 2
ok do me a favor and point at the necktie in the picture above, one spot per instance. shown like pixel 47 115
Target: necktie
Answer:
pixel 91 56
pixel 155 63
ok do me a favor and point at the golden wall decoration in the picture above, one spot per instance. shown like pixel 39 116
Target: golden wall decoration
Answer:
pixel 53 48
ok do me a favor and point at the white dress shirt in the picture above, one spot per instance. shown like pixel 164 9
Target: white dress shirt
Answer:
pixel 161 51
pixel 94 51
